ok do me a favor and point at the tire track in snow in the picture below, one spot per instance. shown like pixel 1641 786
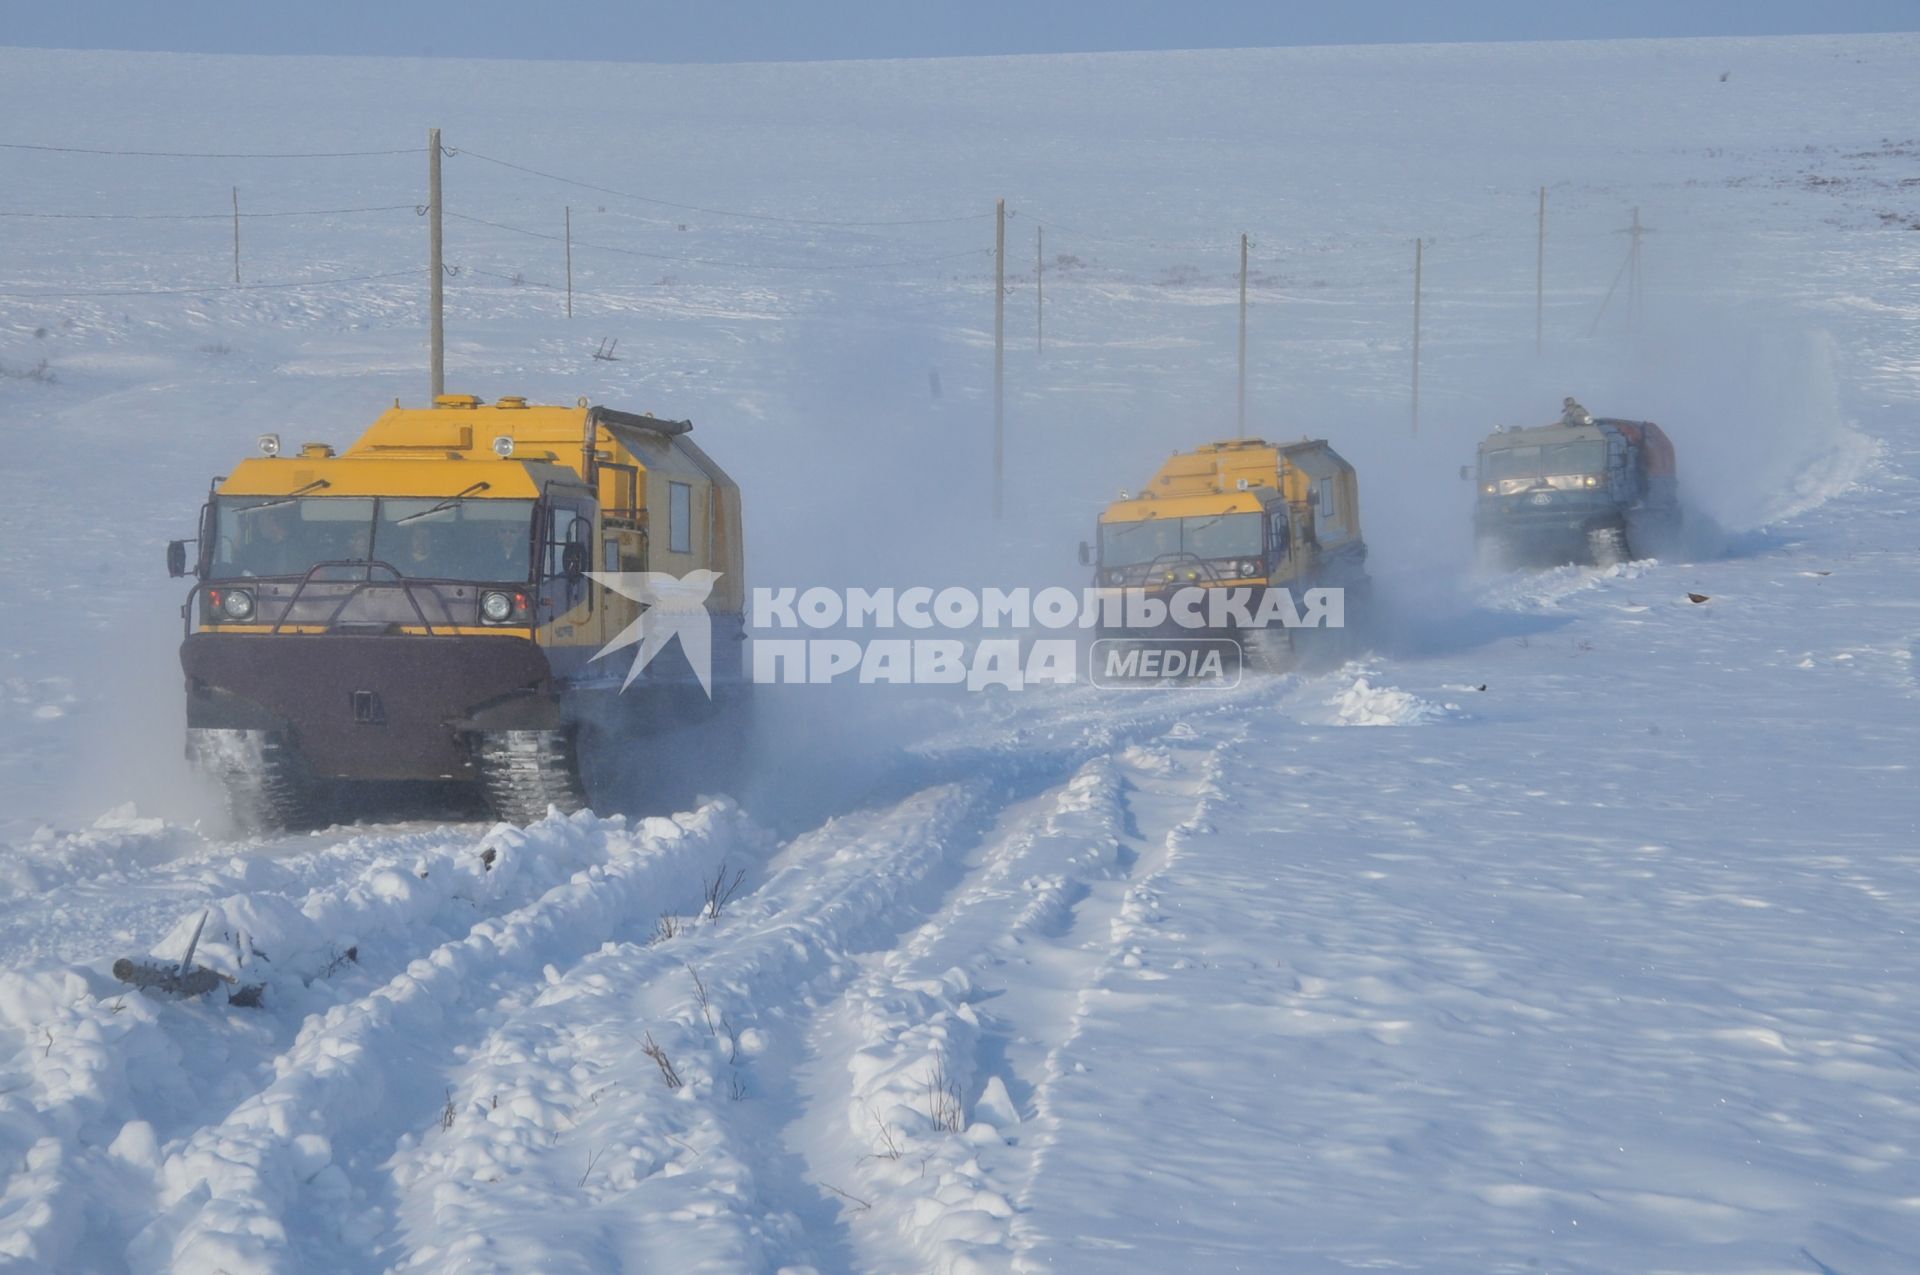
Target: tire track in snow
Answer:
pixel 561 1101
pixel 1122 962
pixel 225 1197
pixel 100 1077
pixel 926 1074
pixel 684 1178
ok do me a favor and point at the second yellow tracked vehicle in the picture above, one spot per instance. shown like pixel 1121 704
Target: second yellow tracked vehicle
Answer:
pixel 1245 515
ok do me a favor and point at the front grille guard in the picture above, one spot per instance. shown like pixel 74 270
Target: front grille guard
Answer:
pixel 368 568
pixel 1147 575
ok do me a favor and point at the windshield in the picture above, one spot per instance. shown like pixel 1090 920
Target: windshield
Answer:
pixel 1127 544
pixel 439 539
pixel 1588 456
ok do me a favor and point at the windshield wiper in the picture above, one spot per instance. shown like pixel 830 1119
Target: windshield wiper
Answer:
pixel 287 499
pixel 446 504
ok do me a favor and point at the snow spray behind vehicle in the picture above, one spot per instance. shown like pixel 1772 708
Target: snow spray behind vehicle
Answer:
pixel 425 605
pixel 1585 489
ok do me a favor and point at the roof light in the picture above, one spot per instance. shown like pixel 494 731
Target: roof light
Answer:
pixel 269 444
pixel 503 446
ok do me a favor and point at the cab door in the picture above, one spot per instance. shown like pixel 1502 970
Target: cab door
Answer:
pixel 567 600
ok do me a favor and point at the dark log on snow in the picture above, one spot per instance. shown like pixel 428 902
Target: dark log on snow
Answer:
pixel 166 979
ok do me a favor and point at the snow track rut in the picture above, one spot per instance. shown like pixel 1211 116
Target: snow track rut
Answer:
pixel 467 1030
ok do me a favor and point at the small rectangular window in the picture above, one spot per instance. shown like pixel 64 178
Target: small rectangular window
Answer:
pixel 610 554
pixel 679 518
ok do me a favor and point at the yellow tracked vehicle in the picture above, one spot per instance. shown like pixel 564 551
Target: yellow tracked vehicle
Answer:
pixel 1245 515
pixel 420 606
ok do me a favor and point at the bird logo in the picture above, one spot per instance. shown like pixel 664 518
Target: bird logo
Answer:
pixel 670 607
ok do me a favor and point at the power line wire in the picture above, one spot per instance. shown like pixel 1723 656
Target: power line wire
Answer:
pixel 219 216
pixel 212 291
pixel 88 150
pixel 708 261
pixel 713 212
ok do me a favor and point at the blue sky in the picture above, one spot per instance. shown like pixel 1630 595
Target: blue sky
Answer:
pixel 760 30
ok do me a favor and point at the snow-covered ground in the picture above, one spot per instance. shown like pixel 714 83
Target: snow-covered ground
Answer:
pixel 1596 955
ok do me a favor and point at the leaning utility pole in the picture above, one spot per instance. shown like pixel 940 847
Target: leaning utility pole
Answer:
pixel 1417 249
pixel 1540 279
pixel 236 234
pixel 999 348
pixel 1242 413
pixel 436 299
pixel 569 261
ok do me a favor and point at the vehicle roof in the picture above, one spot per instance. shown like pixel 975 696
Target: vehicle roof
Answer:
pixel 1538 435
pixel 1197 505
pixel 446 449
pixel 1207 480
pixel 417 476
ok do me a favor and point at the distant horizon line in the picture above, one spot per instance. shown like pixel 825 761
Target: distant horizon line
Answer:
pixel 958 57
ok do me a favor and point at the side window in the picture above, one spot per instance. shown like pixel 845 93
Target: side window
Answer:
pixel 1326 498
pixel 610 554
pixel 679 518
pixel 1278 534
pixel 560 533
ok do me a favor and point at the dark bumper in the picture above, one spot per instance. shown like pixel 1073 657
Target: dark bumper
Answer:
pixel 367 706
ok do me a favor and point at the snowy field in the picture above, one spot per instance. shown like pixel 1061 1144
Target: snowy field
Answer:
pixel 1598 955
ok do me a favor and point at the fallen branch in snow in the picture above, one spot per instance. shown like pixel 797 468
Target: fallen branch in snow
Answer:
pixel 197 981
pixel 659 1056
pixel 183 982
pixel 889 1145
pixel 865 1204
pixel 700 998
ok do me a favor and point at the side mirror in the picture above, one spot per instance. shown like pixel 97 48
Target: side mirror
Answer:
pixel 176 558
pixel 1466 473
pixel 1086 554
pixel 573 561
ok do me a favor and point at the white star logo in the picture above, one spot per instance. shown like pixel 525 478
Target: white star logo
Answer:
pixel 671 606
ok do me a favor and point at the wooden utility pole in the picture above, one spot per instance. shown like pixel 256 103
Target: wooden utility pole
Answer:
pixel 436 297
pixel 1540 279
pixel 999 349
pixel 1633 272
pixel 1418 247
pixel 1630 271
pixel 236 234
pixel 1039 289
pixel 569 261
pixel 1241 415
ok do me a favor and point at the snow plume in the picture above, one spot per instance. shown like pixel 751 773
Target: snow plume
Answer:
pixel 1359 700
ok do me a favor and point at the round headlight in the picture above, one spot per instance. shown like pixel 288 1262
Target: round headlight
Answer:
pixel 1248 568
pixel 1115 577
pixel 495 607
pixel 1592 481
pixel 237 604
